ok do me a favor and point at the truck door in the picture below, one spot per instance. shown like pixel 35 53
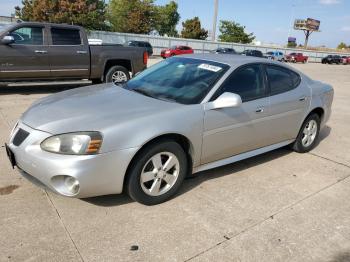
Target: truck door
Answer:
pixel 27 57
pixel 69 55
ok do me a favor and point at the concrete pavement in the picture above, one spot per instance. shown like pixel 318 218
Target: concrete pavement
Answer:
pixel 280 206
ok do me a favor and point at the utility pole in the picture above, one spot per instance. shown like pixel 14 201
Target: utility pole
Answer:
pixel 215 19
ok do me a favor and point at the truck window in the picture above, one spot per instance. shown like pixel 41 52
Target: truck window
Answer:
pixel 62 36
pixel 28 36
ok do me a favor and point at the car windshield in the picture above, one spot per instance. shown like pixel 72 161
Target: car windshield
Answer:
pixel 269 53
pixel 180 80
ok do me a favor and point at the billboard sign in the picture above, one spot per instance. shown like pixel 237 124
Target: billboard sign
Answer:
pixel 308 24
pixel 313 24
pixel 292 40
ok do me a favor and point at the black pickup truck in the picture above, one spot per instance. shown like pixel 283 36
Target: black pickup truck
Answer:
pixel 32 52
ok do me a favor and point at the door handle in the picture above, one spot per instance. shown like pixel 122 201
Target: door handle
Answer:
pixel 259 110
pixel 302 98
pixel 40 52
pixel 81 52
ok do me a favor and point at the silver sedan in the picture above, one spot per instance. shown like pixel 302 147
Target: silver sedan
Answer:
pixel 183 115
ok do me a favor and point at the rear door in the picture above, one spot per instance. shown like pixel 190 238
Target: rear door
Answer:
pixel 69 54
pixel 27 57
pixel 289 102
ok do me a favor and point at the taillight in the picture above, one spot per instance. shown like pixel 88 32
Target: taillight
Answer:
pixel 145 58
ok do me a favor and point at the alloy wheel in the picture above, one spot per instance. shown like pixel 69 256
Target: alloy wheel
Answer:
pixel 160 174
pixel 119 77
pixel 309 133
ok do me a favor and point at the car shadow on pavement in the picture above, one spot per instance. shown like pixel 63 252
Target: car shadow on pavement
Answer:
pixel 341 257
pixel 29 90
pixel 196 179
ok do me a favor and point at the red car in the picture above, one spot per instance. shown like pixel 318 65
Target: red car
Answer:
pixel 176 50
pixel 346 60
pixel 296 57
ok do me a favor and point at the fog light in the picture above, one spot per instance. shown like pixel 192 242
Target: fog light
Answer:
pixel 71 184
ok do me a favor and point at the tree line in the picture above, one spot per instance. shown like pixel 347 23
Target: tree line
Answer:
pixel 127 16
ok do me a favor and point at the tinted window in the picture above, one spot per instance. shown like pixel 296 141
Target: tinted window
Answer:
pixel 65 36
pixel 281 79
pixel 246 82
pixel 28 36
pixel 182 80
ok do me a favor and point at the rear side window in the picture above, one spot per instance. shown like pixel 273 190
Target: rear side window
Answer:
pixel 281 79
pixel 246 82
pixel 62 36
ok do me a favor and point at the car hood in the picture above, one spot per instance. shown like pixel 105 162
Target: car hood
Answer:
pixel 92 108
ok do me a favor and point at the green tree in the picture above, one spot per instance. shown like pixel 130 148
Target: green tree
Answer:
pixel 292 44
pixel 192 29
pixel 231 31
pixel 90 14
pixel 131 16
pixel 342 45
pixel 167 17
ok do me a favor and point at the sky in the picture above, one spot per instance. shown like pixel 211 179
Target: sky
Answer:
pixel 270 20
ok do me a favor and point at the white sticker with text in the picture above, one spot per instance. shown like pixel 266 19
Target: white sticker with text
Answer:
pixel 210 67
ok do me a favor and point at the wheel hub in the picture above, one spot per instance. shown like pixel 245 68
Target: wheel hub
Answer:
pixel 159 174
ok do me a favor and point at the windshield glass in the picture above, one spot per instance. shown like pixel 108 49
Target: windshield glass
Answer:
pixel 269 53
pixel 180 80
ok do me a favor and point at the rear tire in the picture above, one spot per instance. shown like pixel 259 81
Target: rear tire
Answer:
pixel 157 172
pixel 308 134
pixel 117 75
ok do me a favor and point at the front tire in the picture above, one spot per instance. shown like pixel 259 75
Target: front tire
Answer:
pixel 308 134
pixel 157 173
pixel 117 75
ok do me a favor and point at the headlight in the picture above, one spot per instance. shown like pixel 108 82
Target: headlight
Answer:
pixel 82 143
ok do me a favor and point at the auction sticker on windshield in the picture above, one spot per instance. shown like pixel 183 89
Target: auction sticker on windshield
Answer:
pixel 210 67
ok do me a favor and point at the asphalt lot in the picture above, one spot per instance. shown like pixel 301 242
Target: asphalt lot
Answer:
pixel 280 206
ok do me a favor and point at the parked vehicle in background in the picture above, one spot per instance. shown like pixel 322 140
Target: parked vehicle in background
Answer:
pixel 332 59
pixel 185 114
pixel 296 58
pixel 56 52
pixel 176 50
pixel 346 60
pixel 143 44
pixel 224 50
pixel 250 52
pixel 275 55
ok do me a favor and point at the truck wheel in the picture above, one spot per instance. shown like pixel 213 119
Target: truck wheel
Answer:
pixel 117 75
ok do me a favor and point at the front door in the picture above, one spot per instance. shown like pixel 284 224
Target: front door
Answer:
pixel 231 131
pixel 69 55
pixel 27 57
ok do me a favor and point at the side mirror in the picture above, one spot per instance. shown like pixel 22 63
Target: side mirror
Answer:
pixel 7 40
pixel 225 100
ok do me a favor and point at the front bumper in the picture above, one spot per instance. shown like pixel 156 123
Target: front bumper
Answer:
pixel 100 174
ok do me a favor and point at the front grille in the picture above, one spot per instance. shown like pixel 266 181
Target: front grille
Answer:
pixel 19 137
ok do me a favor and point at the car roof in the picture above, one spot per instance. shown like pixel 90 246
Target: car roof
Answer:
pixel 235 61
pixel 68 26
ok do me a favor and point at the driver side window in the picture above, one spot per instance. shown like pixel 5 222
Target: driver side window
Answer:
pixel 28 36
pixel 246 81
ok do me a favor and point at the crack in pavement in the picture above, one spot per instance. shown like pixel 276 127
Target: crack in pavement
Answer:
pixel 228 238
pixel 64 226
pixel 5 120
pixel 331 160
